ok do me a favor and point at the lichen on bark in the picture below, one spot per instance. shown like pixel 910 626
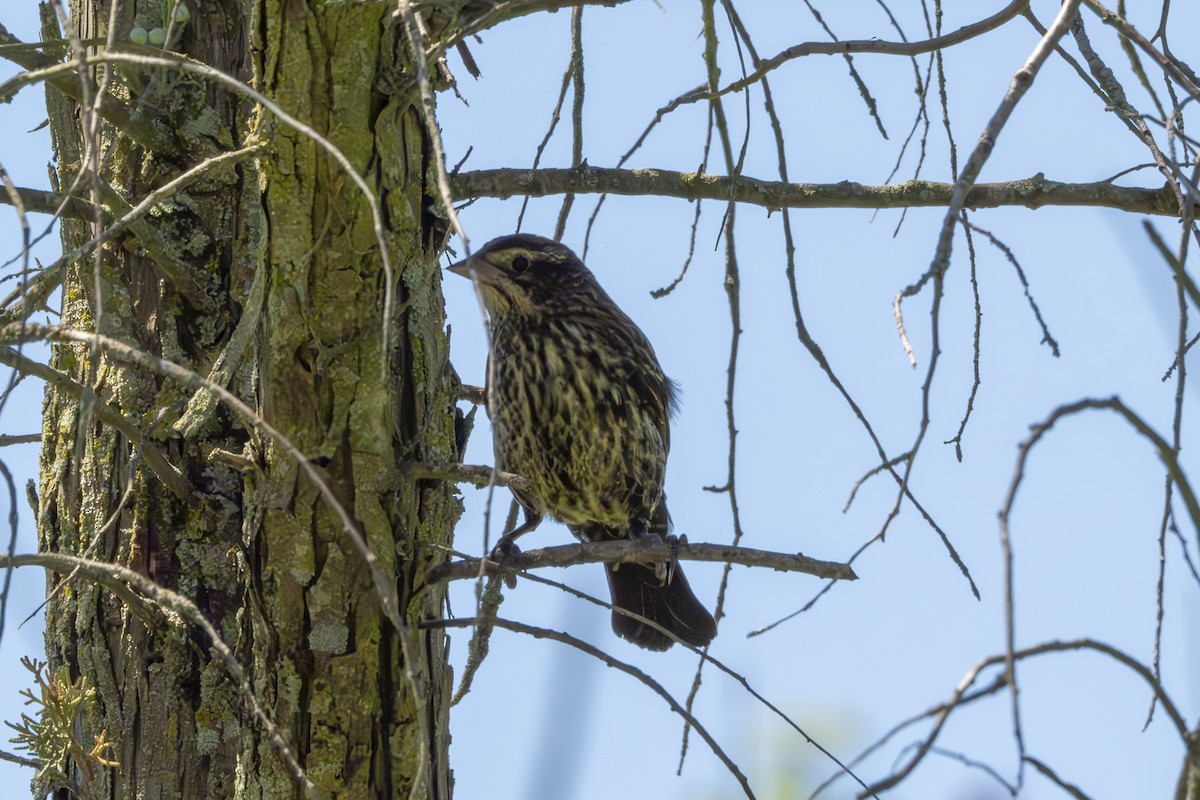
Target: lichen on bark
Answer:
pixel 287 243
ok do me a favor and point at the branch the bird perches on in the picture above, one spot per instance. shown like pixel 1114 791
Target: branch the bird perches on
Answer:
pixel 643 551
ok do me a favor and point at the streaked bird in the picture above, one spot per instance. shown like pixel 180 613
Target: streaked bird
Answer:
pixel 581 409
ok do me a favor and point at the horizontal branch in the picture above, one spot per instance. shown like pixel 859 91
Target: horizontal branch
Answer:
pixel 497 13
pixel 503 183
pixel 645 551
pixel 1032 192
pixel 477 476
pixel 40 201
pixel 21 438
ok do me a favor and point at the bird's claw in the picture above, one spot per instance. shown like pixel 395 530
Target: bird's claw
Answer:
pixel 674 542
pixel 503 553
pixel 663 571
pixel 505 548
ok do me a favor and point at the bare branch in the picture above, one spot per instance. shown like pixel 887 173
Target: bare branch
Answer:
pixel 505 10
pixel 475 475
pixel 1050 774
pixel 1169 456
pixel 876 46
pixel 706 657
pixel 18 760
pixel 642 551
pixel 1169 65
pixel 559 636
pixel 1033 192
pixel 40 201
pixel 21 438
pixel 960 696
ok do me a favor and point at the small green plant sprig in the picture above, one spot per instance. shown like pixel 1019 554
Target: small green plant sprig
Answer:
pixel 52 737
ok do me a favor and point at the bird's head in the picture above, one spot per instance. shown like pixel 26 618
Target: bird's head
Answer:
pixel 526 274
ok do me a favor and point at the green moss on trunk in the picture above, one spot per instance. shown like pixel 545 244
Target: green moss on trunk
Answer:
pixel 285 243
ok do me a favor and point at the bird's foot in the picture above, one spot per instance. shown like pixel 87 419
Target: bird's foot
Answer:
pixel 662 573
pixel 640 532
pixel 503 553
pixel 674 542
pixel 505 548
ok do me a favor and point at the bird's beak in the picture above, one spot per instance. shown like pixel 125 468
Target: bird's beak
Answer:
pixel 482 270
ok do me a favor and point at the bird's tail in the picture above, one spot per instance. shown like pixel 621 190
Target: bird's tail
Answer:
pixel 636 588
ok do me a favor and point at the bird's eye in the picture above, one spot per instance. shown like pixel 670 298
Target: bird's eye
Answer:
pixel 520 264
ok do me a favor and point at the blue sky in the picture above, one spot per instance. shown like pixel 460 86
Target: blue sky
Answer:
pixel 545 721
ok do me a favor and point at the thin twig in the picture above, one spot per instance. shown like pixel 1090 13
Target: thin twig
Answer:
pixel 608 660
pixel 707 657
pixel 960 696
pixel 577 95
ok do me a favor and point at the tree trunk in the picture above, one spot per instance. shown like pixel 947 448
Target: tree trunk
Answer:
pixel 265 277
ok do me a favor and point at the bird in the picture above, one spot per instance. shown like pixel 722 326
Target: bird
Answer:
pixel 580 408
